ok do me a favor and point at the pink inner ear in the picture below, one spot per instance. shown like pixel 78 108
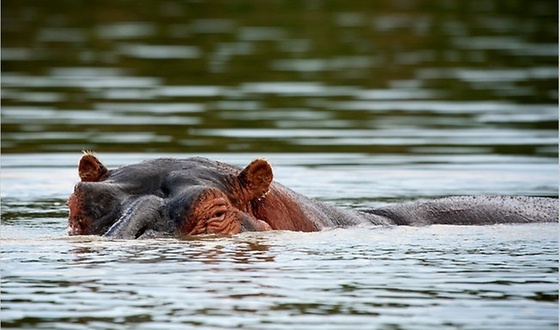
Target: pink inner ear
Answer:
pixel 90 169
pixel 257 177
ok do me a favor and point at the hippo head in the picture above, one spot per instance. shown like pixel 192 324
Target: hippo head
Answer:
pixel 169 197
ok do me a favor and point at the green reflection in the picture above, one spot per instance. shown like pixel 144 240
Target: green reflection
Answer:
pixel 152 76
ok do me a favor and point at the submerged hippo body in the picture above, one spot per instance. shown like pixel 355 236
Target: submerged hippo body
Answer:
pixel 176 197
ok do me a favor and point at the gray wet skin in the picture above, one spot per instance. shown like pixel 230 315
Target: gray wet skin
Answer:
pixel 178 197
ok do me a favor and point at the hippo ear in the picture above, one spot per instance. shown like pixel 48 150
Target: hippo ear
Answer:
pixel 91 169
pixel 256 178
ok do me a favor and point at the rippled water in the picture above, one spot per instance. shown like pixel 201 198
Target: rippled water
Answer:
pixel 420 278
pixel 316 76
pixel 354 103
pixel 485 277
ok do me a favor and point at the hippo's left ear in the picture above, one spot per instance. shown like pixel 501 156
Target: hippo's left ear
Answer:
pixel 256 178
pixel 91 169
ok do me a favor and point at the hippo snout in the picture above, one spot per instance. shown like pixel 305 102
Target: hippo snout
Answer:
pixel 93 208
pixel 143 214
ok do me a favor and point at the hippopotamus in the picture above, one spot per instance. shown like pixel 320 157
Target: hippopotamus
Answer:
pixel 169 197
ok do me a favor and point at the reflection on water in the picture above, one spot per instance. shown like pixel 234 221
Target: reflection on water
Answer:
pixel 355 103
pixel 238 76
pixel 438 276
pixel 484 277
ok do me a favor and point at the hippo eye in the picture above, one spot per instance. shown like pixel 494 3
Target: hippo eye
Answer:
pixel 219 213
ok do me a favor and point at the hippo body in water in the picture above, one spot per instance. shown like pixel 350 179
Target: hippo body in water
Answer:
pixel 178 197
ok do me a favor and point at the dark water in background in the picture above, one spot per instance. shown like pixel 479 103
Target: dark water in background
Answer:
pixel 280 76
pixel 356 103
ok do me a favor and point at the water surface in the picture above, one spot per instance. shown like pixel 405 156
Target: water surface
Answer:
pixel 312 76
pixel 480 277
pixel 354 103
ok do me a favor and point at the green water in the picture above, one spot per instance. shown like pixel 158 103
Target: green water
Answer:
pixel 355 103
pixel 285 76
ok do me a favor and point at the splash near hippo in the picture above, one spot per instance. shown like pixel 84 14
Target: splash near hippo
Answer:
pixel 178 197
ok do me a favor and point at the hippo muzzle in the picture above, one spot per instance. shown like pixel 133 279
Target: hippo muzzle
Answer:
pixel 144 214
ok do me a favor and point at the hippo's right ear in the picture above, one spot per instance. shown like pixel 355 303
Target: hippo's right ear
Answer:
pixel 256 178
pixel 91 169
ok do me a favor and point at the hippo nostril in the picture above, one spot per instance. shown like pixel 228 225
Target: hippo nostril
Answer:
pixel 140 232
